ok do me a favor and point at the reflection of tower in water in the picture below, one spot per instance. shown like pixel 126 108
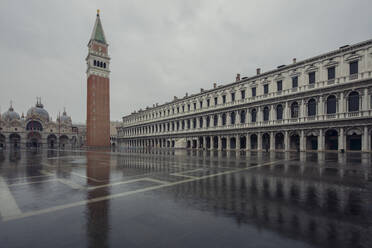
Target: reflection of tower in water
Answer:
pixel 97 213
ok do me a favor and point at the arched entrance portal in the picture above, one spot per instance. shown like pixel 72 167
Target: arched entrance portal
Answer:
pixel 15 141
pixel 253 141
pixel 294 143
pixel 52 141
pixel 33 140
pixel 224 143
pixel 188 144
pixel 311 141
pixel 2 141
pixel 233 143
pixel 63 141
pixel 215 142
pixel 331 140
pixel 354 140
pixel 279 141
pixel 208 142
pixel 265 141
pixel 243 142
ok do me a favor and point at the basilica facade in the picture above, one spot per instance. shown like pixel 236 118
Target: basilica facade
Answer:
pixel 36 130
pixel 322 103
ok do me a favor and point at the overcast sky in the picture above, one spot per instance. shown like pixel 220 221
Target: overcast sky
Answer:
pixel 160 49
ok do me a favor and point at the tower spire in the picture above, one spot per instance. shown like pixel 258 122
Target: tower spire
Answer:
pixel 98 34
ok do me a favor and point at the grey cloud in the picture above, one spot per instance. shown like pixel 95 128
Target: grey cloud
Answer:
pixel 161 48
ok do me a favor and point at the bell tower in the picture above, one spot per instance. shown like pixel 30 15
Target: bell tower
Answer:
pixel 98 88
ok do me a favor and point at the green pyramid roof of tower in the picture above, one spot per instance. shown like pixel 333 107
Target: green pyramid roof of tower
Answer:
pixel 98 34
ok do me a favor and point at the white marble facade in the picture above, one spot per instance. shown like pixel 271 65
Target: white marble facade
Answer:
pixel 36 130
pixel 320 103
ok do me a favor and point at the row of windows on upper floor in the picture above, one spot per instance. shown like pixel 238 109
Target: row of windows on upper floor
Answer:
pixel 353 103
pixel 99 64
pixel 331 71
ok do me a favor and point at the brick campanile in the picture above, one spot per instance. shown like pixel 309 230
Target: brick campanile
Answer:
pixel 98 88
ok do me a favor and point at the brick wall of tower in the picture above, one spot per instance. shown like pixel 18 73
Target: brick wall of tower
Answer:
pixel 98 111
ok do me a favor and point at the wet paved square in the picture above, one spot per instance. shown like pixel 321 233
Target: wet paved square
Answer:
pixel 165 198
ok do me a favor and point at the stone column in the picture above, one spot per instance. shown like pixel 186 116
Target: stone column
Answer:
pixel 259 115
pixel 219 122
pixel 341 139
pixel 302 109
pixel 272 141
pixel 365 143
pixel 219 143
pixel 320 108
pixel 302 141
pixel 272 114
pixel 341 103
pixel 228 147
pixel 286 141
pixel 365 100
pixel 248 142
pixel 248 116
pixel 204 142
pixel 259 141
pixel 228 118
pixel 237 117
pixel 237 143
pixel 321 140
pixel 286 112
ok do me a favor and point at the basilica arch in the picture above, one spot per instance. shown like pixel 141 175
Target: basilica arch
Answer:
pixel 34 140
pixel 15 141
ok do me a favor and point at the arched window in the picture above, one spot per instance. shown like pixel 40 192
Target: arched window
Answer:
pixel 331 104
pixel 100 64
pixel 279 112
pixel 232 118
pixel 215 120
pixel 353 101
pixel 311 107
pixel 223 119
pixel 34 125
pixel 188 123
pixel 242 116
pixel 183 124
pixel 104 65
pixel 294 110
pixel 201 122
pixel 94 62
pixel 208 120
pixel 266 113
pixel 194 123
pixel 253 115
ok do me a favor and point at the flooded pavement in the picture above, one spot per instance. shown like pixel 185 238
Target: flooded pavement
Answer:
pixel 164 198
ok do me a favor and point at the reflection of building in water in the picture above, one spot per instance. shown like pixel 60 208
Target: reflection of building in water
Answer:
pixel 320 103
pixel 98 173
pixel 36 129
pixel 324 204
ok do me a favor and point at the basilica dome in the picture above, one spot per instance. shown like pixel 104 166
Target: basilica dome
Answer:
pixel 64 118
pixel 10 115
pixel 38 112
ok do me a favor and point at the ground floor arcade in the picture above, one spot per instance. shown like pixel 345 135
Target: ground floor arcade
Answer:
pixel 321 139
pixel 36 140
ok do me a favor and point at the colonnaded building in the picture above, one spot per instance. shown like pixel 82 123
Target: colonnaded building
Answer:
pixel 36 129
pixel 321 103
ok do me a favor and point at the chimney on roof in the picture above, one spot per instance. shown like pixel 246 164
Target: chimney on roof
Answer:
pixel 214 85
pixel 258 71
pixel 186 94
pixel 294 60
pixel 201 90
pixel 237 77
